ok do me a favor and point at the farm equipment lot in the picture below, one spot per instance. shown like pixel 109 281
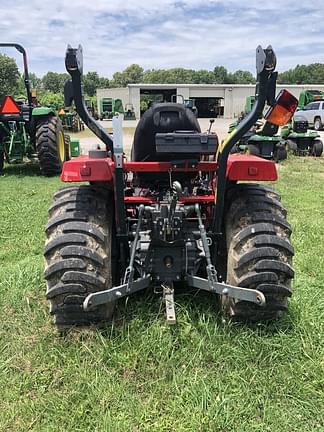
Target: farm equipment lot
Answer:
pixel 89 141
pixel 139 374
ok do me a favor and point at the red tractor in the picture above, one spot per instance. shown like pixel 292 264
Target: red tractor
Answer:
pixel 181 212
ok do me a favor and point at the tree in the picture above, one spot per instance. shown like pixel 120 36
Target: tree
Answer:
pixel 220 73
pixel 303 74
pixel 152 76
pixel 54 82
pixel 169 76
pixel 204 77
pixel 91 82
pixel 240 77
pixel 9 75
pixel 118 80
pixel 35 82
pixel 55 100
pixel 104 82
pixel 133 74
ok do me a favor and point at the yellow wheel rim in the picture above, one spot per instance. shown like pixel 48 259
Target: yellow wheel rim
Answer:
pixel 61 146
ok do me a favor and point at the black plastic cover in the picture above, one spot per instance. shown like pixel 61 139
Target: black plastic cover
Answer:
pixel 186 142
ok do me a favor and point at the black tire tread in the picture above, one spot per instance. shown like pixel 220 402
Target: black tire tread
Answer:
pixel 259 252
pixel 78 254
pixel 47 145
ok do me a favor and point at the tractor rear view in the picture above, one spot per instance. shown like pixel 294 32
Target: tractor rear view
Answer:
pixel 31 131
pixel 179 213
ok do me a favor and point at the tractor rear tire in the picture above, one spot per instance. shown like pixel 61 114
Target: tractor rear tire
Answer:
pixel 317 148
pixel 259 252
pixel 76 124
pixel 78 254
pixel 50 146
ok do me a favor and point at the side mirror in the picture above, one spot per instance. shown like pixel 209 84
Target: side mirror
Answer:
pixel 68 93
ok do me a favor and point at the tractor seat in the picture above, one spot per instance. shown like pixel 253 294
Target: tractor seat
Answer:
pixel 26 112
pixel 161 118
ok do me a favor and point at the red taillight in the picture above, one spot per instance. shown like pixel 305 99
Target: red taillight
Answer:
pixel 283 109
pixel 9 106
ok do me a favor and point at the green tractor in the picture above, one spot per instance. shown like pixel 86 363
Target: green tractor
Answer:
pixel 262 139
pixel 70 119
pixel 110 106
pixel 31 131
pixel 91 108
pixel 249 102
pixel 308 96
pixel 188 103
pixel 129 112
pixel 299 140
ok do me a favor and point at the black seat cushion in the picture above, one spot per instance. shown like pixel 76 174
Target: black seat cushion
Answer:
pixel 161 118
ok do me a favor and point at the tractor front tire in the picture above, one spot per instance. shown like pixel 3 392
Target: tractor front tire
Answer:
pixel 1 161
pixel 280 153
pixel 318 124
pixel 317 148
pixel 292 146
pixel 67 147
pixel 78 254
pixel 259 252
pixel 50 146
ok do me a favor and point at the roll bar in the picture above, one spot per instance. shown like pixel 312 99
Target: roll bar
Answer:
pixel 264 92
pixel 73 91
pixel 22 50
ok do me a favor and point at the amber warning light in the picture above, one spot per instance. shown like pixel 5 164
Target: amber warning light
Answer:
pixel 9 106
pixel 283 109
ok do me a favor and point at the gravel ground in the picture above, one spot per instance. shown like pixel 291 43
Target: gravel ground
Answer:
pixel 91 142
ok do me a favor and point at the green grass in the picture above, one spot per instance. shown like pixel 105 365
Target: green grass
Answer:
pixel 138 374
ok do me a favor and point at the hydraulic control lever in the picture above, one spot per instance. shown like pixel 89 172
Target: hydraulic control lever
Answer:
pixel 73 91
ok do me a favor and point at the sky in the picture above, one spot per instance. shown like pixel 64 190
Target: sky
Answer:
pixel 197 34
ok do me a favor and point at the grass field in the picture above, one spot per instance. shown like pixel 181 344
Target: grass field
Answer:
pixel 139 374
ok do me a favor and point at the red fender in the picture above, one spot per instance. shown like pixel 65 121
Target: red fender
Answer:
pixel 250 167
pixel 239 167
pixel 88 169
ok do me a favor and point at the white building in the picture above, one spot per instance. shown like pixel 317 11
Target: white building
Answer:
pixel 211 100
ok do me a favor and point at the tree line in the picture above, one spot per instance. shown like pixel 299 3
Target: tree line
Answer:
pixel 50 86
